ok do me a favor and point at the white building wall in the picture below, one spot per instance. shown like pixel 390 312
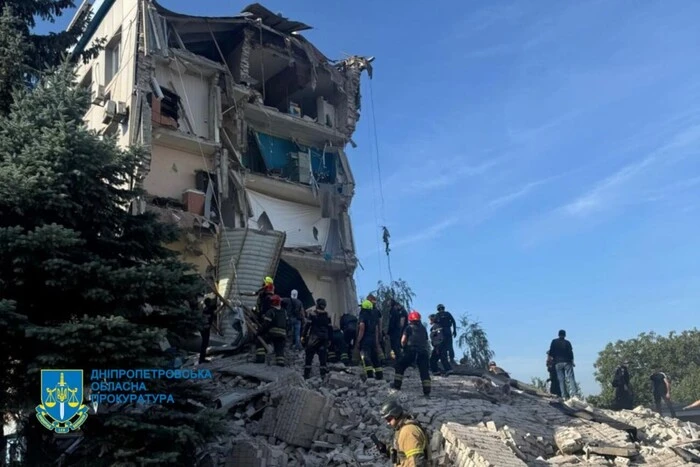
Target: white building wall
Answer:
pixel 173 171
pixel 123 14
pixel 194 94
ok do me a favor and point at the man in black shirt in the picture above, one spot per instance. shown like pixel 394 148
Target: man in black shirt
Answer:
pixel 397 321
pixel 348 324
pixel 315 336
pixel 623 388
pixel 449 326
pixel 563 357
pixel 208 314
pixel 416 350
pixel 661 385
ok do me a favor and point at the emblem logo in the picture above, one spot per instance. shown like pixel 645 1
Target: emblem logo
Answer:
pixel 61 408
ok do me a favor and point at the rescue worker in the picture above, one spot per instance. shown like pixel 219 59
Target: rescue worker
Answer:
pixel 439 353
pixel 264 294
pixel 497 370
pixel 661 387
pixel 336 347
pixel 315 336
pixel 624 399
pixel 274 330
pixel 208 314
pixel 553 380
pixel 449 325
pixel 414 341
pixel 380 328
pixel 397 321
pixel 411 445
pixel 348 324
pixel 367 341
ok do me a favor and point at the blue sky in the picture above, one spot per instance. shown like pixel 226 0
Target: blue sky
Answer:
pixel 539 162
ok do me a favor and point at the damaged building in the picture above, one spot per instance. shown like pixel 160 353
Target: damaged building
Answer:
pixel 244 123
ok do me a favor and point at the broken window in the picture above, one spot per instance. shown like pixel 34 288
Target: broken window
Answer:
pixel 286 159
pixel 206 183
pixel 112 57
pixel 170 104
pixel 165 111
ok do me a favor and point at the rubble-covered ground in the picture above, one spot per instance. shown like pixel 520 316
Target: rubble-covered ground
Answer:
pixel 276 418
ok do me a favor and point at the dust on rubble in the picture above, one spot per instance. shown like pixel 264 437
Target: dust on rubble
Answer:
pixel 275 418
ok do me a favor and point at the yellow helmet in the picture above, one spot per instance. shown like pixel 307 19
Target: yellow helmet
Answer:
pixel 367 305
pixel 268 280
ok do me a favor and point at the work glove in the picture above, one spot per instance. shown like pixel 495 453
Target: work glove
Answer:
pixel 454 333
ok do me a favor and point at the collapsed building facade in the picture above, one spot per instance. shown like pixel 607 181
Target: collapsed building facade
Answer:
pixel 244 123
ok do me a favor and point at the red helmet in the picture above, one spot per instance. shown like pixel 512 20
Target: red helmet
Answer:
pixel 414 316
pixel 275 300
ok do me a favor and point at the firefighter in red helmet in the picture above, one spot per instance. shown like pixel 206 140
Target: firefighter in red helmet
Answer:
pixel 415 349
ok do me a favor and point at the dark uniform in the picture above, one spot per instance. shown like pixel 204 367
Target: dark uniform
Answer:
pixel 337 346
pixel 315 337
pixel 397 313
pixel 264 294
pixel 274 330
pixel 368 344
pixel 447 321
pixel 439 353
pixel 377 314
pixel 348 324
pixel 416 350
pixel 659 388
pixel 624 398
pixel 208 315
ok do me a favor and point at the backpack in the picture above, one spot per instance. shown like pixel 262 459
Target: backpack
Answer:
pixel 437 336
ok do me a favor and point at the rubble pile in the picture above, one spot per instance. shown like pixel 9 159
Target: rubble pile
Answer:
pixel 276 418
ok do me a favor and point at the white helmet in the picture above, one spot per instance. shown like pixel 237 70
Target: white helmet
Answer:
pixel 295 294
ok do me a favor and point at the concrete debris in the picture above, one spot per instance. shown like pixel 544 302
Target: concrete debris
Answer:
pixel 275 418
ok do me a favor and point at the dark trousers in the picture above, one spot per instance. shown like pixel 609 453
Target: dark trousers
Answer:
pixel 657 402
pixel 349 336
pixel 439 354
pixel 623 399
pixel 449 346
pixel 370 359
pixel 206 334
pixel 422 360
pixel 554 387
pixel 313 348
pixel 395 342
pixel 336 350
pixel 260 352
pixel 279 343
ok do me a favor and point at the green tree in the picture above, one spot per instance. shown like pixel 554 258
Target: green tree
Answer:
pixel 539 383
pixel 85 284
pixel 475 342
pixel 676 355
pixel 23 53
pixel 398 290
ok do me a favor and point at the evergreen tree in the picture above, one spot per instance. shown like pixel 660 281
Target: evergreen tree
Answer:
pixel 23 53
pixel 85 284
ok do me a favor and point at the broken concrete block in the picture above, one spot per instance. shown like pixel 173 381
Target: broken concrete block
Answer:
pixel 569 441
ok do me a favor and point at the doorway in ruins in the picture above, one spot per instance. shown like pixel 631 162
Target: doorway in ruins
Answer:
pixel 287 279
